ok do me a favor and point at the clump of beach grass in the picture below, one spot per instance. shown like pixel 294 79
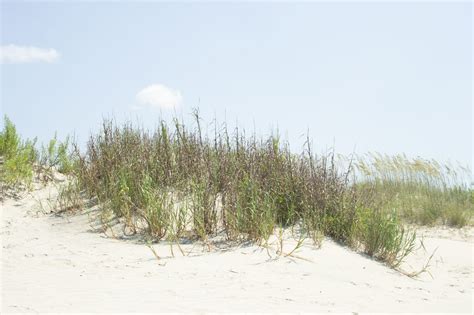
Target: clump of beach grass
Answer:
pixel 21 161
pixel 17 157
pixel 421 191
pixel 177 182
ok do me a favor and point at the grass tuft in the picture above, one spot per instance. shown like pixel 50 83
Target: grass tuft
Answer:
pixel 421 191
pixel 182 183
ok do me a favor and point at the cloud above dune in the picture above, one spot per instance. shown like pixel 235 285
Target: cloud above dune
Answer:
pixel 27 54
pixel 159 96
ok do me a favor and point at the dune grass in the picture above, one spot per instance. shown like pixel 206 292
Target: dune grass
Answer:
pixel 422 191
pixel 178 183
pixel 17 156
pixel 20 160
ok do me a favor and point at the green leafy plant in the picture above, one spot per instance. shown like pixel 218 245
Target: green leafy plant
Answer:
pixel 56 155
pixel 17 156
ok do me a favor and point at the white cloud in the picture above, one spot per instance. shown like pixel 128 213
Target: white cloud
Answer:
pixel 159 96
pixel 27 54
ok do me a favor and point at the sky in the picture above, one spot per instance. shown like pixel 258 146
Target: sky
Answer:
pixel 360 77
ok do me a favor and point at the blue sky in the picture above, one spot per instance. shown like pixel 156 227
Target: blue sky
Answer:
pixel 386 77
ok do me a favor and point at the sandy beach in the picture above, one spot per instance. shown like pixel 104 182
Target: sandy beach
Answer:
pixel 60 264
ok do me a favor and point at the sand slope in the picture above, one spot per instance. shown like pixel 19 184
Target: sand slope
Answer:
pixel 56 264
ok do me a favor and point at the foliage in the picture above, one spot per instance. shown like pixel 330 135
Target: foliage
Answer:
pixel 17 156
pixel 20 160
pixel 183 183
pixel 421 191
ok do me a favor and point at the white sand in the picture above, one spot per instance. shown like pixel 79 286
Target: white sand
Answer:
pixel 56 264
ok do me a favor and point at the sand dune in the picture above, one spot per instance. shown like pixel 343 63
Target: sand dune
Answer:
pixel 57 264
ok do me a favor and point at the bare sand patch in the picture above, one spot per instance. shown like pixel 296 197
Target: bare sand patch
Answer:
pixel 59 264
